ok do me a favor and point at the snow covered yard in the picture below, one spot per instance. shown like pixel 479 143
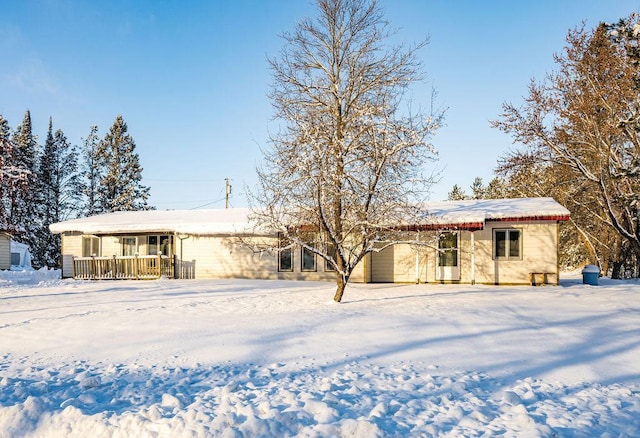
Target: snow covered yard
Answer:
pixel 270 358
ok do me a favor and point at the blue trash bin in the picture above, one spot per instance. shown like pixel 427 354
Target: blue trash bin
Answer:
pixel 590 274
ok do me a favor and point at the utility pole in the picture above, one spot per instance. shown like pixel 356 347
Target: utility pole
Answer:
pixel 227 190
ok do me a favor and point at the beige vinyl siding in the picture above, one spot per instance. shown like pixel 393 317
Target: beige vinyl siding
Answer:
pixel 143 247
pixel 539 254
pixel 229 257
pixel 464 258
pixel 361 273
pixel 110 246
pixel 397 264
pixel 382 265
pixel 221 257
pixel 5 251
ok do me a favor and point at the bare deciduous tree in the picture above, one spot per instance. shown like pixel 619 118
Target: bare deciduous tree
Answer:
pixel 585 121
pixel 348 163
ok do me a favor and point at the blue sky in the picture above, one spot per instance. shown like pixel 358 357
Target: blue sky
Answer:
pixel 191 79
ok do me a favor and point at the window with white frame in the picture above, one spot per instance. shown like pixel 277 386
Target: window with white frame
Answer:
pixel 448 249
pixel 129 246
pixel 507 244
pixel 90 246
pixel 162 244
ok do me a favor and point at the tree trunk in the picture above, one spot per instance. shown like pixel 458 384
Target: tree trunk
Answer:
pixel 617 269
pixel 342 283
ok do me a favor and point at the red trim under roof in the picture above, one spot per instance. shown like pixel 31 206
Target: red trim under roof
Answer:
pixel 530 218
pixel 468 226
pixel 463 226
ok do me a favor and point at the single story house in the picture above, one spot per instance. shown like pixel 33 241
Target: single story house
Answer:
pixel 495 241
pixel 5 251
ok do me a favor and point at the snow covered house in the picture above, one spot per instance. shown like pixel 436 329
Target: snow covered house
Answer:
pixel 499 241
pixel 5 251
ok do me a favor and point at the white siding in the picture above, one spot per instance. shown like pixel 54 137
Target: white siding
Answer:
pixel 5 251
pixel 71 247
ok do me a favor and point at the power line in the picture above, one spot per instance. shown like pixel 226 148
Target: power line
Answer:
pixel 207 204
pixel 182 180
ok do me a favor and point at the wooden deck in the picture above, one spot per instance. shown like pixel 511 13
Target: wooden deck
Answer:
pixel 131 268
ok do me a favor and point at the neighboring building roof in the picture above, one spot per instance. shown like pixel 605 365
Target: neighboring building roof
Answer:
pixel 470 215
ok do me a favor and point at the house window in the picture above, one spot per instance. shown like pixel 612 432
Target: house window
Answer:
pixel 507 244
pixel 448 249
pixel 162 244
pixel 129 246
pixel 308 260
pixel 90 246
pixel 285 255
pixel 331 252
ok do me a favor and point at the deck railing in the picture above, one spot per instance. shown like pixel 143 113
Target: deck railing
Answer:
pixel 184 269
pixel 123 267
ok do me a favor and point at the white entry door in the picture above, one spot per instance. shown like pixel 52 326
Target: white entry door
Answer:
pixel 448 257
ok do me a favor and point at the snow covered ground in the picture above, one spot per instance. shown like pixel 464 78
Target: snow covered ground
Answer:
pixel 269 358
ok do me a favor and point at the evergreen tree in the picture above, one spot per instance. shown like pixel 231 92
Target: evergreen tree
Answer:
pixel 478 190
pixel 456 194
pixel 496 189
pixel 12 177
pixel 120 186
pixel 24 213
pixel 92 173
pixel 59 192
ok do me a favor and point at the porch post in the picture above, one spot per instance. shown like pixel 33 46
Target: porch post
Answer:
pixel 417 257
pixel 473 258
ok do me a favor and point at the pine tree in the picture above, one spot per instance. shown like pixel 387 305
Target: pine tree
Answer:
pixel 59 192
pixel 496 189
pixel 92 173
pixel 456 194
pixel 478 190
pixel 24 213
pixel 12 177
pixel 120 186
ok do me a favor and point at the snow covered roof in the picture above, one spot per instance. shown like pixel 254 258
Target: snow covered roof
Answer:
pixel 470 214
pixel 474 213
pixel 199 222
